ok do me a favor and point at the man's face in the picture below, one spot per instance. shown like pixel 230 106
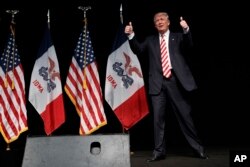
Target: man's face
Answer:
pixel 161 22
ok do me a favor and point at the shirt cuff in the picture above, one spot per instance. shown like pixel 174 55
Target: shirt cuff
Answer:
pixel 185 30
pixel 131 36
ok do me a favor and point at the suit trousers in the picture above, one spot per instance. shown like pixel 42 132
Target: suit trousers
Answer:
pixel 173 96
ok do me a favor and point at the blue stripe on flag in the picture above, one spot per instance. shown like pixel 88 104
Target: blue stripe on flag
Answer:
pixel 46 42
pixel 120 38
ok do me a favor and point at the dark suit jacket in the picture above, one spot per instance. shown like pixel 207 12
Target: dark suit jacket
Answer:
pixel 177 43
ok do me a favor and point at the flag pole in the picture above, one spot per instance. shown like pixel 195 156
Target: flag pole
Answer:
pixel 121 19
pixel 48 22
pixel 12 29
pixel 85 9
pixel 8 147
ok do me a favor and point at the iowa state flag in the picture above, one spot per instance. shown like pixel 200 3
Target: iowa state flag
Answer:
pixel 45 92
pixel 124 84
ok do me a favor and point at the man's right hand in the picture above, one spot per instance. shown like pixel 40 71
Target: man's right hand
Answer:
pixel 129 29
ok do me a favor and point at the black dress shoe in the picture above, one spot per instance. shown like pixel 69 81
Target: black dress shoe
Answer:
pixel 156 158
pixel 201 155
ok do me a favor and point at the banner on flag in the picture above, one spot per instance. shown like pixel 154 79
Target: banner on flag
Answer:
pixel 13 113
pixel 45 92
pixel 124 84
pixel 83 86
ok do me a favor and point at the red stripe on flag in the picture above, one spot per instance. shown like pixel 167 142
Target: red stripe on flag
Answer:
pixel 132 110
pixel 51 112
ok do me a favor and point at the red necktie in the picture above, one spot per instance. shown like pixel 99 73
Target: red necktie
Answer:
pixel 164 58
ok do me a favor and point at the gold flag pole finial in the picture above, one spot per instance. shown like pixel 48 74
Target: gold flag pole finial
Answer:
pixel 121 16
pixel 48 17
pixel 13 13
pixel 85 9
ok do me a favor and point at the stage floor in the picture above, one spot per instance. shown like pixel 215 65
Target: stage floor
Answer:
pixel 176 157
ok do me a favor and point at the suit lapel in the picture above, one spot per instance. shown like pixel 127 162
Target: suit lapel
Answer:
pixel 170 45
pixel 157 49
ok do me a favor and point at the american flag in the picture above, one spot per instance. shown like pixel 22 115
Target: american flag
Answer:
pixel 83 86
pixel 13 113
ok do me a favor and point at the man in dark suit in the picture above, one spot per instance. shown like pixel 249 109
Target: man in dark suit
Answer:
pixel 169 81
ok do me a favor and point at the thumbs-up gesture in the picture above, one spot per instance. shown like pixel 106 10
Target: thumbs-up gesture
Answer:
pixel 183 23
pixel 129 29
